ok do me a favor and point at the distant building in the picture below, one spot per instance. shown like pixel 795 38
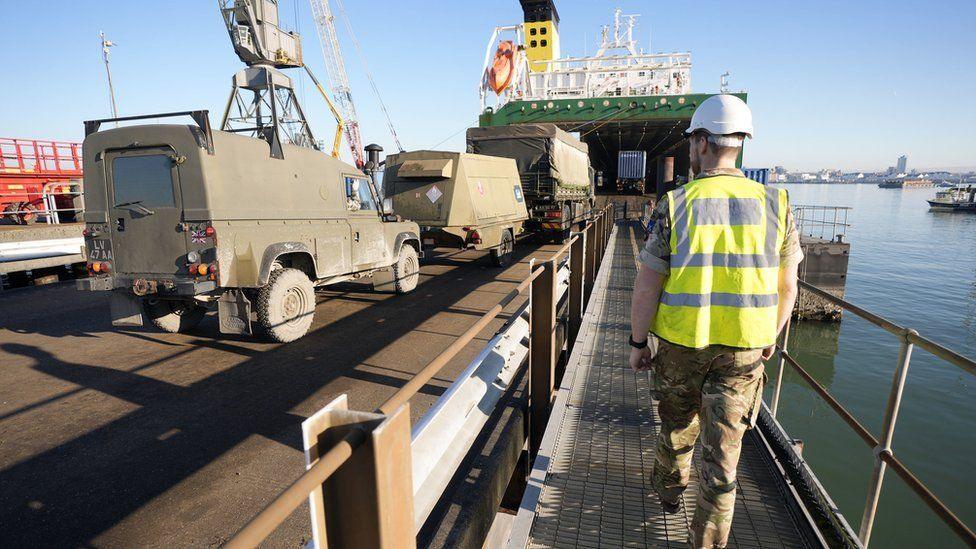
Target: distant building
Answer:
pixel 902 164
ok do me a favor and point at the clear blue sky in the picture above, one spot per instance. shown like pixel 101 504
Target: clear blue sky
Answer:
pixel 832 84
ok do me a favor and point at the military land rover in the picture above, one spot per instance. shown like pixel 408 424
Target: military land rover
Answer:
pixel 181 218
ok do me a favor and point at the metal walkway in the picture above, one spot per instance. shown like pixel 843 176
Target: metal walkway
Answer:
pixel 591 483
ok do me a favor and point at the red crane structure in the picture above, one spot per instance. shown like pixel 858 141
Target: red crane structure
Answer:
pixel 38 178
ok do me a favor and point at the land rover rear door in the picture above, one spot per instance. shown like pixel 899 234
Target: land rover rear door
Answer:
pixel 145 211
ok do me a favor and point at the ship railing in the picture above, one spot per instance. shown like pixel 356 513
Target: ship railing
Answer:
pixel 884 455
pixel 38 157
pixel 824 222
pixel 371 479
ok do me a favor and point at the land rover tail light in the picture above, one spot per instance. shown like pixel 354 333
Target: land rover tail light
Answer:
pixel 554 213
pixel 210 231
pixel 202 269
pixel 96 267
pixel 106 266
pixel 475 237
pixel 86 232
pixel 213 268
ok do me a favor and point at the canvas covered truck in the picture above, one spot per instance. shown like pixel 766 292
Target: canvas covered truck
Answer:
pixel 181 219
pixel 459 200
pixel 554 168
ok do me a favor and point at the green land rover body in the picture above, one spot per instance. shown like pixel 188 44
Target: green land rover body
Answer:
pixel 179 218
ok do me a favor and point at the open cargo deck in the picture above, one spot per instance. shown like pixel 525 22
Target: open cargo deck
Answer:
pixel 591 481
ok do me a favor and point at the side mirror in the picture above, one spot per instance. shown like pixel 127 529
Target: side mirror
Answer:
pixel 387 206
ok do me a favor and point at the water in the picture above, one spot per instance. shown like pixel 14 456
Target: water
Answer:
pixel 918 269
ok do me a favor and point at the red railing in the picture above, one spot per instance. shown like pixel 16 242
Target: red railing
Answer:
pixel 37 159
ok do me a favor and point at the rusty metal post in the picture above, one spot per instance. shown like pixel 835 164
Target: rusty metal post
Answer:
pixel 590 260
pixel 782 362
pixel 542 351
pixel 888 432
pixel 577 273
pixel 368 501
pixel 600 221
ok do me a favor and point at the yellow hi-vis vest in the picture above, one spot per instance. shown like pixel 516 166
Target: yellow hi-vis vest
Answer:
pixel 726 237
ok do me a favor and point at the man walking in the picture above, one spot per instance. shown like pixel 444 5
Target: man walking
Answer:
pixel 717 283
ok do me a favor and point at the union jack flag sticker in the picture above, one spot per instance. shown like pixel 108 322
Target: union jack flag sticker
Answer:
pixel 198 237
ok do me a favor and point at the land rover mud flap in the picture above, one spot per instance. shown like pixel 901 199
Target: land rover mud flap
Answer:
pixel 234 312
pixel 384 280
pixel 126 309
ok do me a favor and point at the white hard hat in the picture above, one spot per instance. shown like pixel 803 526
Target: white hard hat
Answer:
pixel 722 115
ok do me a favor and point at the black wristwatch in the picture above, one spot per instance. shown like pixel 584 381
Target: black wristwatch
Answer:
pixel 634 344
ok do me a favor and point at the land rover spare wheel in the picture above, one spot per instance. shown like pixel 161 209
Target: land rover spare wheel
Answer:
pixel 174 316
pixel 286 305
pixel 406 271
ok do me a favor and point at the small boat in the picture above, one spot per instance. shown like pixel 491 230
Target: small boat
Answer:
pixel 957 199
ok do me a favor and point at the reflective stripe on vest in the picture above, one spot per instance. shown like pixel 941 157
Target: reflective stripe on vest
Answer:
pixel 726 236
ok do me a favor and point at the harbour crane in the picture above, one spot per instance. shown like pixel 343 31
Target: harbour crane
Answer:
pixel 272 111
pixel 325 23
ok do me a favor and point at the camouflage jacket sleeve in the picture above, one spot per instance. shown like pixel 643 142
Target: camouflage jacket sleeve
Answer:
pixel 791 253
pixel 656 254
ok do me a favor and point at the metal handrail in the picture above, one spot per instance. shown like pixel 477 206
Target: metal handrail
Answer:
pixel 258 528
pixel 884 455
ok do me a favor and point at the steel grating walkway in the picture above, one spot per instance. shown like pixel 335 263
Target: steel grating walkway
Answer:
pixel 591 485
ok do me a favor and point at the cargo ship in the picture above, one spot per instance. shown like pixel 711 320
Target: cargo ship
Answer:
pixel 958 199
pixel 623 102
pixel 905 183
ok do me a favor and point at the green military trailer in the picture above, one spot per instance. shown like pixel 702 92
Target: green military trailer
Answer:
pixel 180 218
pixel 555 170
pixel 459 200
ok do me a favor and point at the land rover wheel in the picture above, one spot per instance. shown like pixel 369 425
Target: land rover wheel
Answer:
pixel 286 305
pixel 406 271
pixel 502 255
pixel 173 316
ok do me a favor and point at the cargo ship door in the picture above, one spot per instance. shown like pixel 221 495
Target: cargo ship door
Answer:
pixel 145 211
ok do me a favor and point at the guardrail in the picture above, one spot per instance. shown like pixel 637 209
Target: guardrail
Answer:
pixel 884 454
pixel 371 481
pixel 48 198
pixel 824 222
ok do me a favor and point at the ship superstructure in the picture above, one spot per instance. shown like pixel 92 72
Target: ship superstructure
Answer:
pixel 618 99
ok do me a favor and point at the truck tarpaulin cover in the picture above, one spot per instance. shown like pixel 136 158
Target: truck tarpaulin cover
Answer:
pixel 540 151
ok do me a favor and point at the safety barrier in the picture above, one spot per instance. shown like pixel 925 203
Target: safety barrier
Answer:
pixel 823 222
pixel 48 199
pixel 371 481
pixel 884 454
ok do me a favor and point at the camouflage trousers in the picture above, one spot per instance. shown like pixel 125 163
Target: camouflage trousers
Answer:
pixel 714 392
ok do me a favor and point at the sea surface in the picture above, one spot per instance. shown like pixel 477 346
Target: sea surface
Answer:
pixel 917 268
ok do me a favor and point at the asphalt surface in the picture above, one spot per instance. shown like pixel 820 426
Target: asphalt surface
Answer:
pixel 131 437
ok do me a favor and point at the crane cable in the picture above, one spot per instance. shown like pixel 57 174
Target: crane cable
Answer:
pixel 369 75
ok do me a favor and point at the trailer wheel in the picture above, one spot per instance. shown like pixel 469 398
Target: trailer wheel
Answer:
pixel 27 215
pixel 173 316
pixel 286 305
pixel 30 214
pixel 502 255
pixel 406 271
pixel 8 212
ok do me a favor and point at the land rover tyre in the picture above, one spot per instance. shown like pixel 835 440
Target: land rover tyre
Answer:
pixel 174 316
pixel 286 304
pixel 502 255
pixel 406 271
